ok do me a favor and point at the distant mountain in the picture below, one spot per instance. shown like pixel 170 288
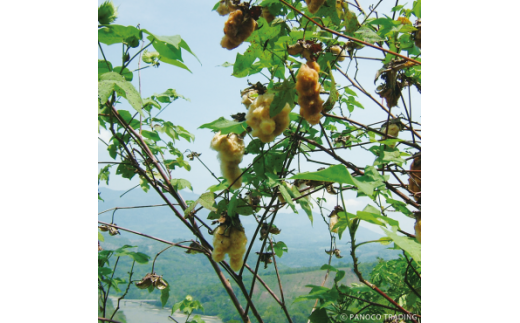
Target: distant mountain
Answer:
pixel 306 243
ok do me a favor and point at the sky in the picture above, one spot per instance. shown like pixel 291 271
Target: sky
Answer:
pixel 213 92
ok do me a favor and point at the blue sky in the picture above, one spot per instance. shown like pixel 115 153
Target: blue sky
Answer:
pixel 213 92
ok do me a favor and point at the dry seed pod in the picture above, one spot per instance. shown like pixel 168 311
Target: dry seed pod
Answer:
pixel 308 88
pixel 237 29
pixel 239 117
pixel 264 127
pixel 195 249
pixel 231 240
pixel 314 5
pixel 145 282
pixel 417 34
pixel 264 231
pixel 414 181
pixel 394 127
pixel 159 283
pixel 192 155
pixel 266 258
pixel 103 228
pixel 230 152
pixel 334 218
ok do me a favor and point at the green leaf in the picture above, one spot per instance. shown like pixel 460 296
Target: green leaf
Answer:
pixel 104 174
pixel 129 119
pixel 126 170
pixel 232 206
pixel 127 74
pixel 287 197
pixel 165 294
pixel 328 267
pixel 168 96
pixel 407 244
pixel 368 182
pixel 144 184
pixel 368 35
pixel 328 9
pixel 285 94
pixel 373 215
pixel 333 96
pixel 319 315
pixel 225 126
pixel 304 203
pixel 417 8
pixel 279 248
pixel 335 173
pixel 114 82
pixel 243 63
pixel 349 91
pixel 180 184
pixel 103 68
pixel 100 237
pixel 207 200
pixel 339 275
pixel 151 135
pixel 114 34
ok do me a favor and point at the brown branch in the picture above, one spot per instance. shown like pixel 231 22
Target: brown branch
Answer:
pixel 360 172
pixel 348 37
pixel 373 99
pixel 107 320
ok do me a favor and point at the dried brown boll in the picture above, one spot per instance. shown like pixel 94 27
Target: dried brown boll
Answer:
pixel 308 88
pixel 253 199
pixel 237 29
pixel 266 258
pixel 334 218
pixel 417 33
pixel 192 155
pixel 151 280
pixel 239 117
pixel 335 252
pixel 338 51
pixel 230 239
pixel 264 231
pixel 391 89
pixel 414 181
pixel 230 149
pixel 99 246
pixel 264 127
pixel 268 16
pixel 196 249
pixel 394 127
pixel 314 5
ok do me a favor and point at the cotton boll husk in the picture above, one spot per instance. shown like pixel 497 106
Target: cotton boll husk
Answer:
pixel 230 152
pixel 308 88
pixel 263 126
pixel 314 5
pixel 233 242
pixel 236 30
pixel 333 222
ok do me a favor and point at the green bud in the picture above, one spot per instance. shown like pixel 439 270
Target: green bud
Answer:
pixel 151 58
pixel 107 13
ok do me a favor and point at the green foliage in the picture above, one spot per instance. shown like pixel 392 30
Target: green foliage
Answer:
pixel 278 176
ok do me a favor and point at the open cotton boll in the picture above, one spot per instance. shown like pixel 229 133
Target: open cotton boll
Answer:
pixel 230 152
pixel 263 126
pixel 236 29
pixel 308 88
pixel 231 241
